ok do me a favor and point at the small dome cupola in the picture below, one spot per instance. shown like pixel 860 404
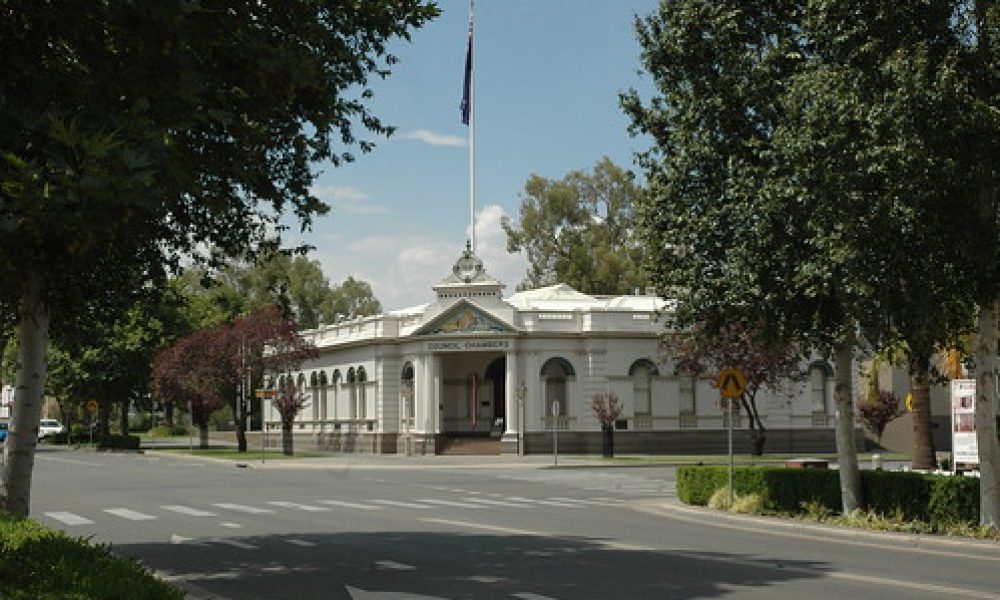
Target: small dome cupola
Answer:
pixel 468 279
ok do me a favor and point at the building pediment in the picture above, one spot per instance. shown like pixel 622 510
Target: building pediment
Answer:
pixel 464 318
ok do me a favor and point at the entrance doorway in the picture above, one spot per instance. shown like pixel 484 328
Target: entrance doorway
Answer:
pixel 473 393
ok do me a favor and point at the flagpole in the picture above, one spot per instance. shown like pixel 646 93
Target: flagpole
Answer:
pixel 472 134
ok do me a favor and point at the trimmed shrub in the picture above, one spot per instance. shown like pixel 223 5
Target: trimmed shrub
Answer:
pixel 897 494
pixel 954 500
pixel 164 431
pixel 119 442
pixel 38 563
pixel 938 500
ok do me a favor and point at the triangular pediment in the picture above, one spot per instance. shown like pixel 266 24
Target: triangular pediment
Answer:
pixel 464 318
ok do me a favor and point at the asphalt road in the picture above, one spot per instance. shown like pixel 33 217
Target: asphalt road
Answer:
pixel 408 529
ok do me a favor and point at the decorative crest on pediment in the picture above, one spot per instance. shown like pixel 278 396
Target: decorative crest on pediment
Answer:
pixel 464 319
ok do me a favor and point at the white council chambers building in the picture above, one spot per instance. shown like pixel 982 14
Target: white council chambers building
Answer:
pixel 479 369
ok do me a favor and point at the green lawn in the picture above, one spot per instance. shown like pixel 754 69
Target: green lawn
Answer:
pixel 232 454
pixel 722 459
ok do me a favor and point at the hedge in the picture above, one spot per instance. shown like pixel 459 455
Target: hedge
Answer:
pixel 119 442
pixel 38 563
pixel 936 499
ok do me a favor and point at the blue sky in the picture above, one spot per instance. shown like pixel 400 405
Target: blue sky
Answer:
pixel 548 74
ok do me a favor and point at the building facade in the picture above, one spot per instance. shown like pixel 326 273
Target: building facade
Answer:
pixel 473 364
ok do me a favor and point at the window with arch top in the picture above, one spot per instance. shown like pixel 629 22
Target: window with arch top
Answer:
pixel 642 373
pixel 556 374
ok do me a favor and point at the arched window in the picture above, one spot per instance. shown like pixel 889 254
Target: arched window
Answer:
pixel 335 381
pixel 686 388
pixel 362 409
pixel 314 394
pixel 642 373
pixel 406 391
pixel 819 376
pixel 556 373
pixel 352 394
pixel 321 380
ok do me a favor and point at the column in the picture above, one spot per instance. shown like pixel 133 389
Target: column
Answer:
pixel 510 442
pixel 436 394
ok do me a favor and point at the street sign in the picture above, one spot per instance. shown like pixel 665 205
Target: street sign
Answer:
pixel 731 383
pixel 92 406
pixel 266 393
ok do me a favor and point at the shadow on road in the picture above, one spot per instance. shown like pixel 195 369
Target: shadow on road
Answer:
pixel 452 566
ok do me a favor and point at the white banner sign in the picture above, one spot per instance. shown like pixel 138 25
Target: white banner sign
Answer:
pixel 964 449
pixel 469 346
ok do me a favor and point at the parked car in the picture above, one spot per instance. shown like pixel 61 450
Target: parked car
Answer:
pixel 4 425
pixel 47 427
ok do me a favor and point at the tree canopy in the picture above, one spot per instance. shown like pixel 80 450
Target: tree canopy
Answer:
pixel 811 165
pixel 581 230
pixel 133 134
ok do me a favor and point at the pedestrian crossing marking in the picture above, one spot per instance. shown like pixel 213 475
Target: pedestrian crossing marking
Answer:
pixel 187 510
pixel 297 506
pixel 491 502
pixel 131 515
pixel 234 543
pixel 450 503
pixel 399 504
pixel 302 543
pixel 68 518
pixel 349 504
pixel 246 509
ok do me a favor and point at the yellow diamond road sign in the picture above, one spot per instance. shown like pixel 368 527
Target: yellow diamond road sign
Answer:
pixel 731 383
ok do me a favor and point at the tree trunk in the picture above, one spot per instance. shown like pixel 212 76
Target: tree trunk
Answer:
pixel 168 414
pixel 758 434
pixel 987 362
pixel 103 420
pixel 124 418
pixel 286 439
pixel 987 373
pixel 22 439
pixel 203 435
pixel 923 439
pixel 239 417
pixel 608 441
pixel 847 457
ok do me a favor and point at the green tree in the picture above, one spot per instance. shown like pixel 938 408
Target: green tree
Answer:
pixel 136 133
pixel 581 231
pixel 351 299
pixel 808 161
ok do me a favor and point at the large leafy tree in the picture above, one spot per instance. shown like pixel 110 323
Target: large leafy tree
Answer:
pixel 134 133
pixel 808 161
pixel 766 365
pixel 581 230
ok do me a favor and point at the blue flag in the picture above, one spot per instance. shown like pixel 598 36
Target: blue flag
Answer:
pixel 466 105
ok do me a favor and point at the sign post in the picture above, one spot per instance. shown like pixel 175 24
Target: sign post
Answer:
pixel 731 383
pixel 555 432
pixel 91 410
pixel 264 395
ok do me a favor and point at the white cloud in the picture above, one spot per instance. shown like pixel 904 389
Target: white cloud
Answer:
pixel 402 269
pixel 348 199
pixel 434 139
pixel 334 193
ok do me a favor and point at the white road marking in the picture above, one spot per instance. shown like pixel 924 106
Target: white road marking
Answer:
pixel 131 515
pixel 360 594
pixel 231 525
pixel 68 518
pixel 449 503
pixel 489 502
pixel 179 539
pixel 591 501
pixel 349 504
pixel 187 510
pixel 530 596
pixel 543 502
pixel 243 508
pixel 297 506
pixel 303 543
pixel 394 566
pixel 234 543
pixel 399 504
